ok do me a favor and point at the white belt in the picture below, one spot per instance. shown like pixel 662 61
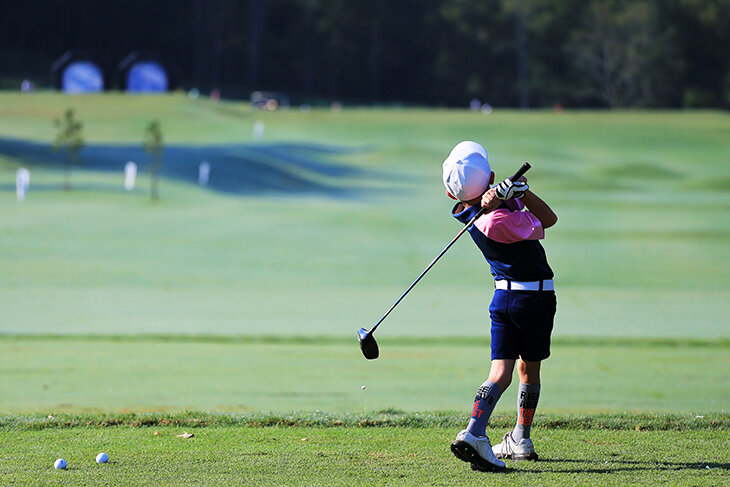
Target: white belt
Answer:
pixel 544 285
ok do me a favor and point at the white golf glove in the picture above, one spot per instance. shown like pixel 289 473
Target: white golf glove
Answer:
pixel 507 189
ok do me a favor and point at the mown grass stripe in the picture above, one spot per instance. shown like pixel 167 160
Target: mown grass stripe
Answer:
pixel 566 341
pixel 385 418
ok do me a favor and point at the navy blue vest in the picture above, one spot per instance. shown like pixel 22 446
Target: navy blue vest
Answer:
pixel 519 261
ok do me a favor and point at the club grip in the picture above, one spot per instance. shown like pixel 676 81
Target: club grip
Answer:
pixel 525 167
pixel 520 172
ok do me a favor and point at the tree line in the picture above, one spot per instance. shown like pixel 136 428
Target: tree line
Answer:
pixel 523 53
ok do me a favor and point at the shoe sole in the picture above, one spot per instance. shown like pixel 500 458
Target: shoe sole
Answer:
pixel 531 457
pixel 466 453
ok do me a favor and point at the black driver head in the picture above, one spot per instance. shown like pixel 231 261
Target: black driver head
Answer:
pixel 367 344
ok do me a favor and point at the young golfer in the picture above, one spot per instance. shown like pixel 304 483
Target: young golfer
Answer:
pixel 523 306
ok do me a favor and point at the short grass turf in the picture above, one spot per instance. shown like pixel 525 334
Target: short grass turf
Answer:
pixel 640 248
pixel 355 456
pixel 74 374
pixel 639 251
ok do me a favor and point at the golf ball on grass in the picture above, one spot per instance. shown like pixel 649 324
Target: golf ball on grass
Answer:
pixel 60 464
pixel 102 458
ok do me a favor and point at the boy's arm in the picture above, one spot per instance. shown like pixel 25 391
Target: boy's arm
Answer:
pixel 540 209
pixel 537 206
pixel 490 200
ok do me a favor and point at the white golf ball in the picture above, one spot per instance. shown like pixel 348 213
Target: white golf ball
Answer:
pixel 102 458
pixel 60 464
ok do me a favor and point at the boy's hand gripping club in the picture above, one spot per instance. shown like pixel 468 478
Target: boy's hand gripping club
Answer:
pixel 368 345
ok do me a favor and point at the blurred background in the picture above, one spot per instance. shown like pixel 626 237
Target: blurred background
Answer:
pixel 620 53
pixel 200 202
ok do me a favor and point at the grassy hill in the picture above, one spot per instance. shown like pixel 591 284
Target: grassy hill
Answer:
pixel 640 249
pixel 241 299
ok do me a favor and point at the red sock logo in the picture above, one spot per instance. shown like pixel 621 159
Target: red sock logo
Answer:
pixel 526 416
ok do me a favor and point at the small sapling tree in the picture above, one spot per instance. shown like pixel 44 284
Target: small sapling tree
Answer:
pixel 69 139
pixel 153 146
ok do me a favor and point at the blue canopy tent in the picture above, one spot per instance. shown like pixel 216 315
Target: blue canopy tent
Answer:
pixel 77 73
pixel 143 73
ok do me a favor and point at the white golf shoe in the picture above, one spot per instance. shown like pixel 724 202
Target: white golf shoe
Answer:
pixel 516 450
pixel 476 450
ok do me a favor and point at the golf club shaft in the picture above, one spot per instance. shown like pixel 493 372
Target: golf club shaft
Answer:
pixel 514 177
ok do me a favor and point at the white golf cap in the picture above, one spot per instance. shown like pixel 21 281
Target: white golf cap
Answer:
pixel 467 171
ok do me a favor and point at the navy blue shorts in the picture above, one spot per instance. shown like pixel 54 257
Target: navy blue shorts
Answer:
pixel 522 322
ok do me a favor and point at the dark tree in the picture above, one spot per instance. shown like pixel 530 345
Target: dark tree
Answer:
pixel 437 52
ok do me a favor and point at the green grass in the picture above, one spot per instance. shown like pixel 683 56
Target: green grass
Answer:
pixel 70 374
pixel 355 456
pixel 640 248
pixel 118 312
pixel 389 417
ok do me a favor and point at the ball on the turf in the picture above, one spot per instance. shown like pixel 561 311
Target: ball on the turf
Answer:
pixel 60 464
pixel 102 458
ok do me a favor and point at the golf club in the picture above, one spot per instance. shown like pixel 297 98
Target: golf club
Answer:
pixel 368 345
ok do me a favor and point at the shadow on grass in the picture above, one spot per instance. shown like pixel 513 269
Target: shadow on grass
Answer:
pixel 626 466
pixel 240 169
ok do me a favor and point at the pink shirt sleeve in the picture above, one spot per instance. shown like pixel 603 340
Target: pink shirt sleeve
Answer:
pixel 507 226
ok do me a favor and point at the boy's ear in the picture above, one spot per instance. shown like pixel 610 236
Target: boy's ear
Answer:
pixel 451 196
pixel 491 179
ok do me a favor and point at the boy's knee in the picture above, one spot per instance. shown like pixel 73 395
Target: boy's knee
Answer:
pixel 504 381
pixel 502 378
pixel 501 372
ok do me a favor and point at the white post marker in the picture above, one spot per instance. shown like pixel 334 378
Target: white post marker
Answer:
pixel 203 173
pixel 258 129
pixel 22 183
pixel 130 175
